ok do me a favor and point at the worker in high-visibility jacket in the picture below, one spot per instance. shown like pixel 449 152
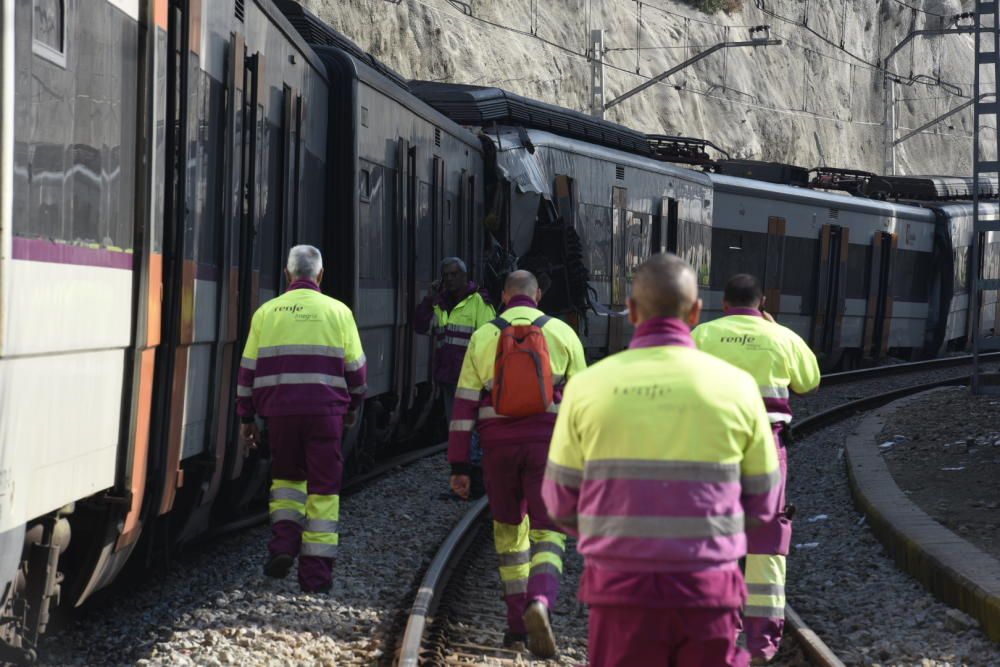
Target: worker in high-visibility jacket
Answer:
pixel 661 456
pixel 515 450
pixel 452 310
pixel 779 361
pixel 303 371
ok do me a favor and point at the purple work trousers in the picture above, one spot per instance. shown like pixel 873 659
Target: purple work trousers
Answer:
pixel 306 448
pixel 763 633
pixel 774 537
pixel 664 637
pixel 513 476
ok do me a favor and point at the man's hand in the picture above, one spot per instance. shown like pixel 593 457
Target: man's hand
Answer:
pixel 460 485
pixel 351 419
pixel 251 434
pixel 767 316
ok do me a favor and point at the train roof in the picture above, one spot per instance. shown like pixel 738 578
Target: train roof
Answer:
pixel 930 188
pixel 988 209
pixel 843 202
pixel 317 33
pixel 340 63
pixel 507 138
pixel 482 107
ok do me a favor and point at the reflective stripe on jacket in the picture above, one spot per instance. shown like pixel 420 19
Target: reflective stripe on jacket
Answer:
pixel 474 402
pixel 660 458
pixel 452 329
pixel 776 357
pixel 303 357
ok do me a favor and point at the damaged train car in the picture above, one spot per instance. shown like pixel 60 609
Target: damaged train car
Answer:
pixel 574 200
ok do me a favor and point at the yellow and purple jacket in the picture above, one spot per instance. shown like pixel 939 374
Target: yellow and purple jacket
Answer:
pixel 303 357
pixel 776 357
pixel 661 457
pixel 474 401
pixel 452 322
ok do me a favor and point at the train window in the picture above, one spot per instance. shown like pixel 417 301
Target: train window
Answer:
pixel 48 30
pixel 365 184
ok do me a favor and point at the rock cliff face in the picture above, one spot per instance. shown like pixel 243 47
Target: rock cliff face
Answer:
pixel 818 98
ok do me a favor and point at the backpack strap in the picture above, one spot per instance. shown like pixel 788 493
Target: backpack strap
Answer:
pixel 501 324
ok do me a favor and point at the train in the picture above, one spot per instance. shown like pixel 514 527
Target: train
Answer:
pixel 158 158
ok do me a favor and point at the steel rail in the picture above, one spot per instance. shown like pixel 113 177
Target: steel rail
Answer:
pixel 810 643
pixel 434 582
pixel 898 369
pixel 816 421
pixel 455 545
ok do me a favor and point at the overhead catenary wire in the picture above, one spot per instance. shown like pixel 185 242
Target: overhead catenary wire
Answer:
pixel 708 93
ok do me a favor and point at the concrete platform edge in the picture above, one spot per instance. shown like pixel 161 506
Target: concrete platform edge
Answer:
pixel 952 569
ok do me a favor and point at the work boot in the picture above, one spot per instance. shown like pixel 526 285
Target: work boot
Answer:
pixel 514 640
pixel 541 641
pixel 278 566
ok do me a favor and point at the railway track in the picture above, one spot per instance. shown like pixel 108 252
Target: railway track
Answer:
pixel 466 551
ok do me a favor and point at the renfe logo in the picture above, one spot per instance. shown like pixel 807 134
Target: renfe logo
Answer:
pixel 288 309
pixel 745 339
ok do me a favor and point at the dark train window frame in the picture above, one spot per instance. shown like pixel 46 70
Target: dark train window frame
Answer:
pixel 365 184
pixel 43 49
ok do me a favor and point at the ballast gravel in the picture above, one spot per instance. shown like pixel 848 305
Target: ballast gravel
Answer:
pixel 849 591
pixel 219 609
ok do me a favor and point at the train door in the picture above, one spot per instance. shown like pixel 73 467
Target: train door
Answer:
pixel 878 312
pixel 619 223
pixel 248 158
pixel 413 229
pixel 774 264
pixel 438 213
pixel 466 234
pixel 225 353
pixel 664 235
pixel 291 129
pixel 831 285
pixel 172 356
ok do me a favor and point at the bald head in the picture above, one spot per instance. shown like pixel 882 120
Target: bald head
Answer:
pixel 664 286
pixel 521 283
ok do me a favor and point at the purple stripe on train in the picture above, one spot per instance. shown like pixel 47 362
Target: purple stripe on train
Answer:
pixel 44 250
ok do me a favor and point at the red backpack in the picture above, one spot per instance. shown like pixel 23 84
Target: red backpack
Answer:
pixel 522 373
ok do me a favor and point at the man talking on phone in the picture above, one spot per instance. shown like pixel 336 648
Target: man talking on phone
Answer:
pixel 781 362
pixel 452 310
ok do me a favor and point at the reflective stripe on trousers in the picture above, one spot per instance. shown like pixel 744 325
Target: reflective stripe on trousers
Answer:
pixel 321 537
pixel 288 501
pixel 765 577
pixel 514 552
pixel 548 548
pixel 531 564
pixel 764 613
